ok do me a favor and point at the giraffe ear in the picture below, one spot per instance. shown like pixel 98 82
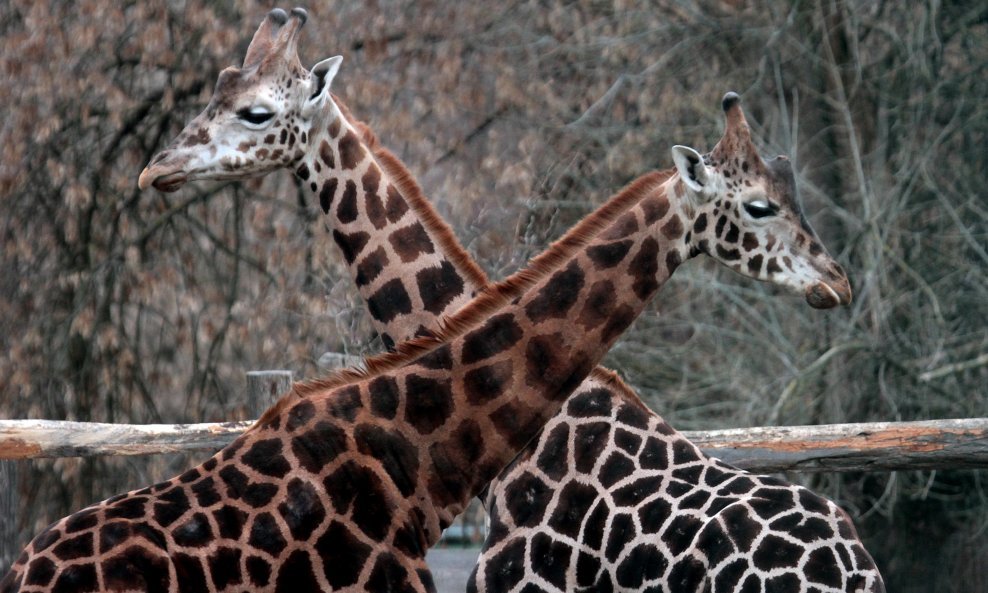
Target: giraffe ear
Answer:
pixel 689 165
pixel 321 77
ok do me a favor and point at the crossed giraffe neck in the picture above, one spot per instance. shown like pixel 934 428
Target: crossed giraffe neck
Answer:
pixel 608 496
pixel 516 547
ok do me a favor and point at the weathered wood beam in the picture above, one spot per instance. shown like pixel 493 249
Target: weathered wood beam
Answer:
pixel 877 446
pixel 29 439
pixel 873 446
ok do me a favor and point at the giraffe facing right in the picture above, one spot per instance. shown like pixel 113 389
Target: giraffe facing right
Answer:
pixel 603 420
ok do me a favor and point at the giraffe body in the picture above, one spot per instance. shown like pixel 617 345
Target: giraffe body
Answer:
pixel 612 498
pixel 459 283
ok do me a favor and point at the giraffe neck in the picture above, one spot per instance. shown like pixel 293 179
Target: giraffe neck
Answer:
pixel 507 361
pixel 404 259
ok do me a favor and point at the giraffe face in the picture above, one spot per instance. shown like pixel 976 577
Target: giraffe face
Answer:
pixel 260 117
pixel 747 216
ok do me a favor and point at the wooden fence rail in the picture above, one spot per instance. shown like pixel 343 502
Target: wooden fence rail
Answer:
pixel 874 446
pixel 870 446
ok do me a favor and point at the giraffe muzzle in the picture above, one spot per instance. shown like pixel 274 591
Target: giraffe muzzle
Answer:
pixel 161 179
pixel 170 183
pixel 826 296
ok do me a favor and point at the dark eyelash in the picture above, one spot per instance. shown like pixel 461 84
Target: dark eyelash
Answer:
pixel 254 118
pixel 759 211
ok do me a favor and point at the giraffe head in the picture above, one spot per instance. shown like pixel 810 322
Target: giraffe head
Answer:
pixel 747 216
pixel 260 117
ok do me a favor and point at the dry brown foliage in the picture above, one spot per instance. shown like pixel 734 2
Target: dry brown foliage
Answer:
pixel 518 117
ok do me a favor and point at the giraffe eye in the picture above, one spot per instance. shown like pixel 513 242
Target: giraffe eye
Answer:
pixel 761 209
pixel 255 116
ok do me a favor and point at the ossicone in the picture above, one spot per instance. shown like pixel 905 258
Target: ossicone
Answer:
pixel 730 100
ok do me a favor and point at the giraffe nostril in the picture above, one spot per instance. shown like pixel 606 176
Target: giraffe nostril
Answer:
pixel 822 296
pixel 159 157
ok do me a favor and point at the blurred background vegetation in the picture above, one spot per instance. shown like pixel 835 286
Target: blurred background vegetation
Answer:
pixel 518 118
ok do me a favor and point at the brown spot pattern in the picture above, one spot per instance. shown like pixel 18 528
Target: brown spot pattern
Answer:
pixel 351 151
pixel 326 154
pixel 410 242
